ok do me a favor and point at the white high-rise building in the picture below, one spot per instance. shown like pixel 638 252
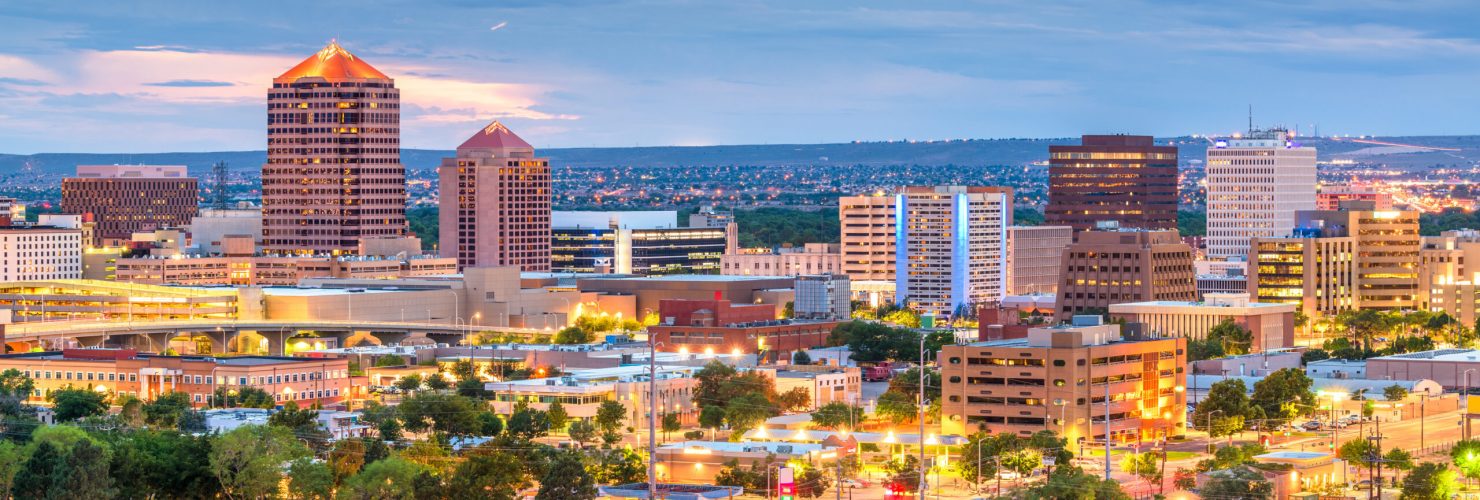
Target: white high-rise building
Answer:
pixel 1255 184
pixel 29 253
pixel 951 246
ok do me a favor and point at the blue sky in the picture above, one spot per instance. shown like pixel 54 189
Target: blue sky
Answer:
pixel 166 75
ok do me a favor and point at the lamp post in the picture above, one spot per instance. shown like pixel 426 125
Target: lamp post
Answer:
pixel 921 400
pixel 652 472
pixel 1210 427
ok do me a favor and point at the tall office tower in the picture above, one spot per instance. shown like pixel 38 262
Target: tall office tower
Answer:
pixel 333 173
pixel 127 198
pixel 1113 265
pixel 1127 179
pixel 1255 185
pixel 867 245
pixel 1387 250
pixel 1315 271
pixel 495 199
pixel 950 247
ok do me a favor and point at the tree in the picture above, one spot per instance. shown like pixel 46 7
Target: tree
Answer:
pixel 1068 481
pixel 249 459
pixel 908 384
pixel 527 423
pixel 12 458
pixel 346 459
pixel 1394 392
pixel 796 399
pixel 437 382
pixel 609 416
pixel 87 473
pixel 245 397
pixel 1466 456
pixel 897 408
pixel 1184 479
pixel 390 360
pixel 671 424
pixel 489 424
pixel 1430 481
pixel 1284 394
pixel 1146 466
pixel 392 478
pixel 810 483
pixel 556 415
pixel 837 415
pixel 582 431
pixel 1223 410
pixel 573 335
pixel 800 357
pixel 472 388
pixel 38 476
pixel 622 466
pixel 1358 452
pixel 904 473
pixel 444 415
pixel 1398 459
pixel 310 480
pixel 163 464
pixel 1238 483
pixel 302 423
pixel 1234 338
pixel 71 403
pixel 1201 349
pixel 169 410
pixel 1314 355
pixel 711 417
pixel 746 412
pixel 55 472
pixel 567 479
pixel 409 383
pixel 487 474
pixel 15 389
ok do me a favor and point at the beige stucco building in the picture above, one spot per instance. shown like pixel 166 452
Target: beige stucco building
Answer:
pixel 1034 256
pixel 1272 325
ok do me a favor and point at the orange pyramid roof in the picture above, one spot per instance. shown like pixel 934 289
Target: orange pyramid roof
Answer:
pixel 333 63
pixel 495 136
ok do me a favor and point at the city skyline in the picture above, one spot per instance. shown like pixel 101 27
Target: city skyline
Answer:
pixel 769 73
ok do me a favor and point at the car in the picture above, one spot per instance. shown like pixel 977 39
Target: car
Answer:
pixel 1008 475
pixel 855 483
pixel 1339 424
pixel 1311 425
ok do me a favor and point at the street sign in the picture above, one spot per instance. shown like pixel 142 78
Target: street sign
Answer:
pixel 785 485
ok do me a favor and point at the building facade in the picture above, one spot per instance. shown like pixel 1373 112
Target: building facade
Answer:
pixel 823 296
pixel 40 253
pixel 720 327
pixel 1317 273
pixel 1255 184
pixel 1035 253
pixel 1113 265
pixel 644 243
pixel 867 245
pixel 1058 378
pixel 269 270
pixel 1332 196
pixel 495 199
pixel 123 199
pixel 1123 178
pixel 303 381
pixel 1448 268
pixel 1272 325
pixel 951 247
pixel 1387 251
pixel 333 173
pixel 812 258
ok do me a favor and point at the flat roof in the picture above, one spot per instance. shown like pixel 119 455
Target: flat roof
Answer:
pixel 1298 455
pixel 1447 355
pixel 696 277
pixel 1178 303
pixel 317 292
pixel 740 447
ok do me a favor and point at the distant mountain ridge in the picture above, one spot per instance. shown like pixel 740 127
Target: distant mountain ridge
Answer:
pixel 956 152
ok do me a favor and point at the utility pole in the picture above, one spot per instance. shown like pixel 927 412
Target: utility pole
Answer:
pixel 921 400
pixel 652 472
pixel 1107 422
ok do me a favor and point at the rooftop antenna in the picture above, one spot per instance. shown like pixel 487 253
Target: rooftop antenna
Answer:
pixel 218 189
pixel 1251 119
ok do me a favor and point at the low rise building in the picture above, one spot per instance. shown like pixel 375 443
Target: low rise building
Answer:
pixel 1337 368
pixel 642 243
pixel 40 253
pixel 274 270
pixel 698 461
pixel 720 327
pixel 304 381
pixel 823 296
pixel 649 291
pixel 1057 379
pixel 582 392
pixel 1272 325
pixel 1451 368
pixel 812 258
pixel 1255 365
pixel 826 384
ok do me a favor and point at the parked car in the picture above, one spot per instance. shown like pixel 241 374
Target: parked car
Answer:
pixel 1311 426
pixel 855 483
pixel 1339 424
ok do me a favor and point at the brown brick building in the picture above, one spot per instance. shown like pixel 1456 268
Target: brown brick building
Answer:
pixel 1113 266
pixel 1122 178
pixel 720 327
pixel 127 198
pixel 333 173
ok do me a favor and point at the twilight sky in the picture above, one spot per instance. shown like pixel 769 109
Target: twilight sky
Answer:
pixel 174 75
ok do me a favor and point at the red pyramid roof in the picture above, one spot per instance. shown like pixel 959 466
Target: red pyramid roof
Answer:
pixel 495 136
pixel 333 63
